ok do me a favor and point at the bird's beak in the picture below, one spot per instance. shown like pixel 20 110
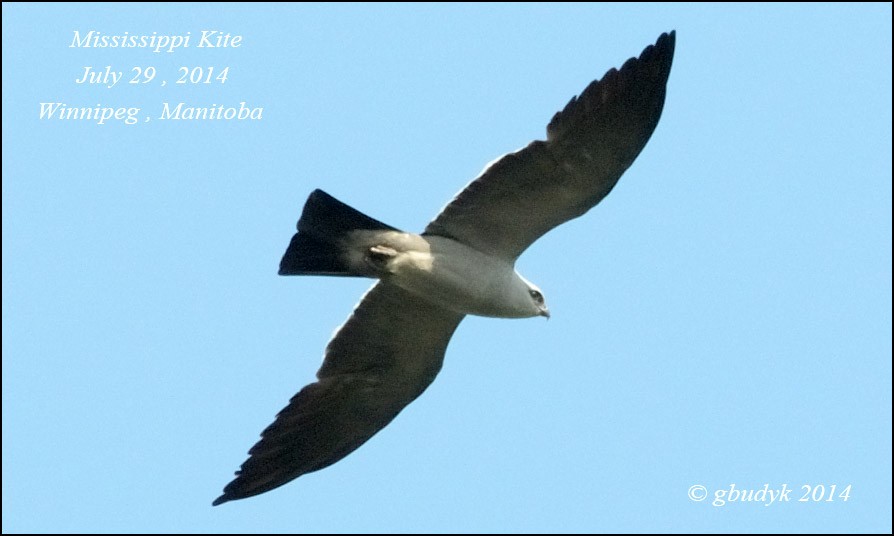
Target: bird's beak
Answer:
pixel 545 312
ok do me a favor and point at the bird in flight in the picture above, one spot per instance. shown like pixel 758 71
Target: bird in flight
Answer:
pixel 392 346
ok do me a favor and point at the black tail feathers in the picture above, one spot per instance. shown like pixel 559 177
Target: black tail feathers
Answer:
pixel 322 243
pixel 307 255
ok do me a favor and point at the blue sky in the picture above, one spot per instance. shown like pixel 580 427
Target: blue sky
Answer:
pixel 722 318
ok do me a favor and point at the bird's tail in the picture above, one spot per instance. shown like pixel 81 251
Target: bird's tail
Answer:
pixel 325 235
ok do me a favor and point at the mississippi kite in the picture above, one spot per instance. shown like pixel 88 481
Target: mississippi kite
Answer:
pixel 392 346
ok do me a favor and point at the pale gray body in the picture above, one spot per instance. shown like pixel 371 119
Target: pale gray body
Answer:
pixel 392 346
pixel 450 274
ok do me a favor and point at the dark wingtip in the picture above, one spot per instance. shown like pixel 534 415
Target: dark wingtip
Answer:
pixel 220 500
pixel 654 62
pixel 669 41
pixel 664 45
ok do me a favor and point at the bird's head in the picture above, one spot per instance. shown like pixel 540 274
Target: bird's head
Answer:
pixel 536 303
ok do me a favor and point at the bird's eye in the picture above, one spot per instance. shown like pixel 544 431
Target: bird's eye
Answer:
pixel 538 297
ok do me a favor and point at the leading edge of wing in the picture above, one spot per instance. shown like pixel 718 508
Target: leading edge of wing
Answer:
pixel 383 357
pixel 590 143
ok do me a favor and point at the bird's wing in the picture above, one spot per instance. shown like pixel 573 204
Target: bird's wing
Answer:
pixel 382 358
pixel 588 146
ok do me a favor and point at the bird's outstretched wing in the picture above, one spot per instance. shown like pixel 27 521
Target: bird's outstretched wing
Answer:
pixel 588 146
pixel 382 358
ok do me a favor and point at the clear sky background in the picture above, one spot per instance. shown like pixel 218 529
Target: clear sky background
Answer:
pixel 722 318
